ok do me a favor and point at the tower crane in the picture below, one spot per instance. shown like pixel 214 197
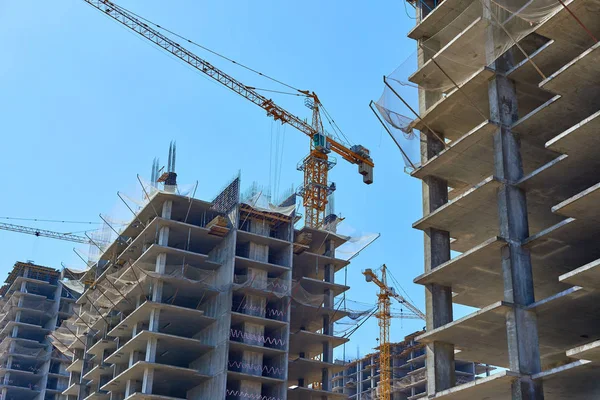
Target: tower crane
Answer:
pixel 316 189
pixel 384 316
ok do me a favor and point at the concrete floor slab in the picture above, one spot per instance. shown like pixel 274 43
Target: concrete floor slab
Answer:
pixel 169 377
pixel 273 243
pixel 583 205
pixel 571 172
pixel 470 159
pixel 302 393
pixel 429 75
pixel 173 319
pixel 176 349
pixel 454 115
pixel 587 276
pixel 472 217
pixel 269 351
pixel 241 376
pixel 552 118
pixel 311 318
pixel 564 246
pixel 481 336
pixel 574 381
pixel 589 352
pixel 312 343
pixel 474 276
pixel 548 58
pixel 309 370
pixel 563 27
pixel 578 78
pixel 439 17
pixel 237 318
pixel 462 110
pixel 319 287
pixel 494 387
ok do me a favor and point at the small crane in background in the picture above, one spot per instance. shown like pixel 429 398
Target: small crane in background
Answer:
pixel 384 316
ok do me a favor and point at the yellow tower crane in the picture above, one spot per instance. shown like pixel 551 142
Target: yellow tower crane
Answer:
pixel 316 165
pixel 384 316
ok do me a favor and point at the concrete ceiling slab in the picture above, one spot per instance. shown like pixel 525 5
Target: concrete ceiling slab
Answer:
pixel 571 172
pixel 574 381
pixel 470 159
pixel 587 276
pixel 474 276
pixel 494 387
pixel 472 217
pixel 577 78
pixel 562 248
pixel 583 205
pixel 564 28
pixel 438 18
pixel 574 305
pixel 430 75
pixel 303 393
pixel 481 336
pixel 589 351
pixel 310 370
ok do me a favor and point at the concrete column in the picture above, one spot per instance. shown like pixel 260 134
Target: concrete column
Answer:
pixel 438 299
pixel 151 347
pixel 167 209
pixel 147 381
pixel 163 236
pixel 521 325
pixel 157 287
pixel 154 320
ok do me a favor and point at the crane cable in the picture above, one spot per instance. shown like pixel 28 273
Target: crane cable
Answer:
pixel 204 48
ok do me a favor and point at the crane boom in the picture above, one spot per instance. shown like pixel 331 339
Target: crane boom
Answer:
pixel 45 233
pixel 273 110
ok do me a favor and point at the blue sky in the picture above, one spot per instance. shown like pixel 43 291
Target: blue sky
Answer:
pixel 86 105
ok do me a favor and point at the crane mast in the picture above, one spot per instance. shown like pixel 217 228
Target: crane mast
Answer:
pixel 315 166
pixel 384 316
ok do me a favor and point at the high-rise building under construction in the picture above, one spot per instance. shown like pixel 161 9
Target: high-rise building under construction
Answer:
pixel 218 299
pixel 508 116
pixel 33 302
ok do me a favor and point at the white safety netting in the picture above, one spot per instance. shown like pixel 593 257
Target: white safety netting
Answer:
pixel 276 286
pixel 445 62
pixel 408 380
pixel 355 243
pixel 63 337
pixel 262 202
pixel 10 346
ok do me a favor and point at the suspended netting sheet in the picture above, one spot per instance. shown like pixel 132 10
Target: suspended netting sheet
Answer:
pixel 355 243
pixel 12 346
pixel 357 313
pixel 63 337
pixel 74 286
pixel 303 296
pixel 463 48
pixel 276 286
pixel 262 202
pixel 402 383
